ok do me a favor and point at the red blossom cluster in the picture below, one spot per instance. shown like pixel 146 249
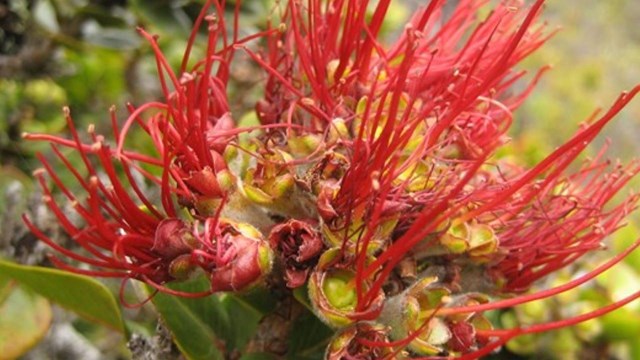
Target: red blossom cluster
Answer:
pixel 372 178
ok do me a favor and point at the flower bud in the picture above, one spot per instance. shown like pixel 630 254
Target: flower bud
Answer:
pixel 338 130
pixel 305 144
pixel 256 195
pixel 464 327
pixel 247 261
pixel 407 312
pixel 204 182
pixel 299 245
pixel 478 241
pixel 173 238
pixel 349 238
pixel 326 193
pixel 267 112
pixel 181 267
pixel 270 180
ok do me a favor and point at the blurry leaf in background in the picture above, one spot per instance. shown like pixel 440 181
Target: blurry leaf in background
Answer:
pixel 24 318
pixel 591 61
pixel 80 294
pixel 111 38
pixel 169 15
pixel 9 175
pixel 623 238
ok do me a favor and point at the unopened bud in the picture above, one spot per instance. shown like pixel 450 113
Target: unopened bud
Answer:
pixel 407 312
pixel 252 259
pixel 204 182
pixel 173 238
pixel 181 267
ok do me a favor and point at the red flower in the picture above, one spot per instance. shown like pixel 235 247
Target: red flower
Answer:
pixel 126 234
pixel 122 233
pixel 424 118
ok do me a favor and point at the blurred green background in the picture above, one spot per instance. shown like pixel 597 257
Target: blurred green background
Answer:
pixel 87 55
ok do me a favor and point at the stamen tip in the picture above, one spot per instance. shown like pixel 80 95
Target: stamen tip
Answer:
pixel 38 172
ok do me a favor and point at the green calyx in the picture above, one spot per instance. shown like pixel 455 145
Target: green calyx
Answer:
pixel 339 290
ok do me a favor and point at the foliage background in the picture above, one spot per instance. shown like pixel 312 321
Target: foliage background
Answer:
pixel 86 54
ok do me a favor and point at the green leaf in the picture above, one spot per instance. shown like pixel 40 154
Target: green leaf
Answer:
pixel 302 295
pixel 80 294
pixel 621 325
pixel 205 327
pixel 245 319
pixel 117 39
pixel 24 319
pixel 161 13
pixel 194 323
pixel 623 238
pixel 259 299
pixel 309 338
pixel 195 338
pixel 6 287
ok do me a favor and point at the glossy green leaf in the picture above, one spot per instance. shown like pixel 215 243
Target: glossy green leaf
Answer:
pixel 6 287
pixel 205 327
pixel 193 336
pixel 24 320
pixel 309 339
pixel 194 323
pixel 244 318
pixel 80 294
pixel 302 295
pixel 260 299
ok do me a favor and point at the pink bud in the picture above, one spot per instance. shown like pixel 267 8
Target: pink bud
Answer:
pixel 252 260
pixel 172 238
pixel 204 182
pixel 463 336
pixel 325 198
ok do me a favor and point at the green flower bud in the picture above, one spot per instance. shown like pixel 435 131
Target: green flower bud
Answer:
pixel 411 310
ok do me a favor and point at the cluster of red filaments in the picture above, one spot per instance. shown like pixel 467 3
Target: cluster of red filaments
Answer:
pixel 371 179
